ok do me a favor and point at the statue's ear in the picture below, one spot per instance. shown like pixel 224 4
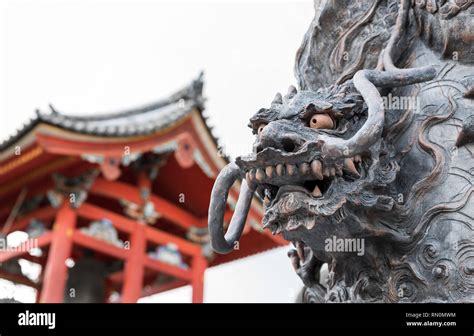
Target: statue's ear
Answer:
pixel 345 36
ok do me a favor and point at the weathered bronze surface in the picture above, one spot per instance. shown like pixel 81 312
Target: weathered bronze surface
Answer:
pixel 369 166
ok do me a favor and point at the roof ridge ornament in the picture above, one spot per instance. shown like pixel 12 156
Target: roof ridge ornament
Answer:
pixel 53 110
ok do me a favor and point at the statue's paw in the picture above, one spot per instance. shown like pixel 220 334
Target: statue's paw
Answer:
pixel 304 263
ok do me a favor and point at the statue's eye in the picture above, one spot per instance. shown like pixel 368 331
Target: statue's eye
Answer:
pixel 319 121
pixel 260 128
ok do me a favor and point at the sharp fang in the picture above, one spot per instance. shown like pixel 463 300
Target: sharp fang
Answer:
pixel 304 168
pixel 357 159
pixel 316 192
pixel 279 230
pixel 260 175
pixel 316 169
pixel 269 171
pixel 310 223
pixel 332 171
pixel 350 167
pixel 274 229
pixel 280 169
pixel 291 169
pixel 339 171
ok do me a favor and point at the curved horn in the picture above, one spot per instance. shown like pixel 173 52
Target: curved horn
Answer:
pixel 365 81
pixel 220 242
pixel 372 128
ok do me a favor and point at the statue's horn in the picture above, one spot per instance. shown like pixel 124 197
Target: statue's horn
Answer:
pixel 291 92
pixel 365 81
pixel 278 99
pixel 220 242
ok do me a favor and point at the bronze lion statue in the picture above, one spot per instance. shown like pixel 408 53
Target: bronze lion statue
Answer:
pixel 368 166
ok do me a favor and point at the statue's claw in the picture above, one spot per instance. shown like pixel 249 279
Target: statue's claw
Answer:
pixel 305 264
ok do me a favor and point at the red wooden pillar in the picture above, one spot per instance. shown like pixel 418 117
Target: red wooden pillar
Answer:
pixel 55 274
pixel 134 267
pixel 198 267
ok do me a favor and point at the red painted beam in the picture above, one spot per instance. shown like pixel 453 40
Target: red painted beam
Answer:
pixel 55 273
pixel 20 165
pixel 163 267
pixel 35 172
pixel 34 259
pixel 115 278
pixel 120 190
pixel 53 144
pixel 19 279
pixel 42 184
pixel 98 245
pixel 134 267
pixel 160 237
pixel 25 247
pixel 92 212
pixel 42 214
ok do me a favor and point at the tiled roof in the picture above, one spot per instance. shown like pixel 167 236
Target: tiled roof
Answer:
pixel 138 121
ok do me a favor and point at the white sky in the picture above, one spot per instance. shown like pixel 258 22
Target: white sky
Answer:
pixel 100 56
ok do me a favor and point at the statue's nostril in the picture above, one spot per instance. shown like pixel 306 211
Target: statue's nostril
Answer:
pixel 288 145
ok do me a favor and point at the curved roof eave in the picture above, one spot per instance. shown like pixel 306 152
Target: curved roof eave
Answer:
pixel 141 120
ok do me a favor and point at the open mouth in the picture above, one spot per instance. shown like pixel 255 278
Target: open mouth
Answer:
pixel 301 193
pixel 312 178
pixel 320 162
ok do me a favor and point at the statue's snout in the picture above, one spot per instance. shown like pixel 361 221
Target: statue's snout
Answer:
pixel 281 134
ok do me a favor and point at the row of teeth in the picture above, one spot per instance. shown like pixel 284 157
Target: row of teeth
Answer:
pixel 315 169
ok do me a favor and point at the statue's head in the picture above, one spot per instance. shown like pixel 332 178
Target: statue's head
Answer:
pixel 319 158
pixel 314 154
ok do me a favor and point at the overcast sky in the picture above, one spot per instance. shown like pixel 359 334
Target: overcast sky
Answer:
pixel 88 57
